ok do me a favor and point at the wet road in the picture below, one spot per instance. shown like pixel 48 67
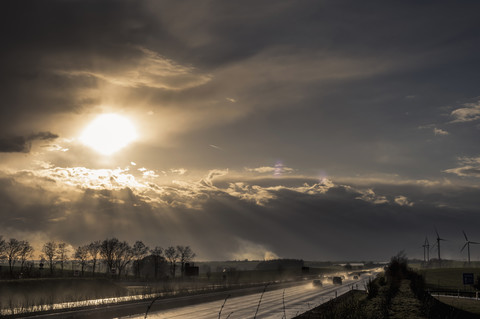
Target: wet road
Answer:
pixel 293 299
pixel 279 303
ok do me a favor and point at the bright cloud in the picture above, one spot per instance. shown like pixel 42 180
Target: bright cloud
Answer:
pixel 369 195
pixel 469 166
pixel 403 201
pixel 77 205
pixel 179 171
pixel 278 169
pixel 438 131
pixel 470 112
pixel 148 69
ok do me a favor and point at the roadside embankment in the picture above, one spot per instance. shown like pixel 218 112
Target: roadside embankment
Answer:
pixel 398 294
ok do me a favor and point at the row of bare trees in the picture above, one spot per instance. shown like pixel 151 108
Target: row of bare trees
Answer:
pixel 117 255
pixel 15 251
pixel 55 253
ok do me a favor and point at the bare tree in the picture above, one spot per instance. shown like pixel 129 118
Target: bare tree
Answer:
pixel 93 250
pixel 50 250
pixel 117 255
pixel 12 249
pixel 25 254
pixel 81 254
pixel 140 251
pixel 171 255
pixel 107 250
pixel 123 255
pixel 62 254
pixel 185 254
pixel 157 254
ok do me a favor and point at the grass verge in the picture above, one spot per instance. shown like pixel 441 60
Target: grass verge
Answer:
pixel 469 305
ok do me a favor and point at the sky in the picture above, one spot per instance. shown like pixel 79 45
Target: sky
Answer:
pixel 319 130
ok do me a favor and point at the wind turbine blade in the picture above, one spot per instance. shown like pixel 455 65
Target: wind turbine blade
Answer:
pixel 473 242
pixel 438 236
pixel 464 247
pixel 466 238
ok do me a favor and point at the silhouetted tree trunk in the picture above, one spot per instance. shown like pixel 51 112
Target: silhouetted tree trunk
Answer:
pixel 49 249
pixel 81 253
pixel 25 254
pixel 139 252
pixel 185 255
pixel 94 250
pixel 122 257
pixel 172 256
pixel 107 251
pixel 62 254
pixel 12 249
pixel 157 254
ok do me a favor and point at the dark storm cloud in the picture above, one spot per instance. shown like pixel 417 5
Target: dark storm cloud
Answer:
pixel 41 38
pixel 100 40
pixel 219 32
pixel 14 144
pixel 341 80
pixel 22 144
pixel 310 221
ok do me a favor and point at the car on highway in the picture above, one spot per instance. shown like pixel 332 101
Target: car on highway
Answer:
pixel 317 283
pixel 337 280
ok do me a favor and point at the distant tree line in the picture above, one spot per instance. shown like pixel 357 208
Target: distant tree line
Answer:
pixel 118 257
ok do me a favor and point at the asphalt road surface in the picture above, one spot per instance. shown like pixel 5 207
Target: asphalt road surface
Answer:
pixel 290 300
pixel 278 303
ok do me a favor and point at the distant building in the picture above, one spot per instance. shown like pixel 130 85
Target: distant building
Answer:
pixel 153 267
pixel 191 270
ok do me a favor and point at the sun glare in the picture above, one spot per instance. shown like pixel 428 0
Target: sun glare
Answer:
pixel 108 133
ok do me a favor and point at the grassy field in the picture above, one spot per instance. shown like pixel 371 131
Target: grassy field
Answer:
pixel 469 305
pixel 447 278
pixel 345 306
pixel 446 264
pixel 452 279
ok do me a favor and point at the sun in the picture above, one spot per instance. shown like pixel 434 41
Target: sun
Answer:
pixel 108 133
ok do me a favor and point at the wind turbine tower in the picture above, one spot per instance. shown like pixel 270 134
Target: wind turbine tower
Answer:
pixel 426 251
pixel 438 244
pixel 467 244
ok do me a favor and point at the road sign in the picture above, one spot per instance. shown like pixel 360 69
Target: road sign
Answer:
pixel 468 278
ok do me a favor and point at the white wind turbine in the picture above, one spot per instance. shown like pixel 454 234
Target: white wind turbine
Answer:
pixel 426 250
pixel 467 244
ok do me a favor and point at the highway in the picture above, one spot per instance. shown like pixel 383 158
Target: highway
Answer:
pixel 289 301
pixel 278 303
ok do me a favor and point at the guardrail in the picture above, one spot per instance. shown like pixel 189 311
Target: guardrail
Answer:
pixel 454 293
